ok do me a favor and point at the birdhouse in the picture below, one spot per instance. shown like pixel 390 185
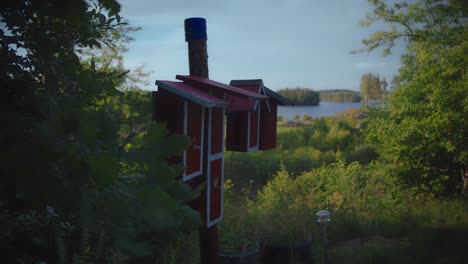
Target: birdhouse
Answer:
pixel 268 119
pixel 251 125
pixel 184 109
pixel 196 108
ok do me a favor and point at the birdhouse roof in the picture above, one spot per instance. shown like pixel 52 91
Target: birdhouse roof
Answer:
pixel 191 93
pixel 265 90
pixel 277 97
pixel 202 82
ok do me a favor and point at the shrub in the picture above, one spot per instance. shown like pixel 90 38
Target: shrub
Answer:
pixel 363 154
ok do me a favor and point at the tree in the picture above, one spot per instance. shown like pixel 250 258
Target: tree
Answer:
pixel 372 87
pixel 110 57
pixel 424 129
pixel 383 85
pixel 63 174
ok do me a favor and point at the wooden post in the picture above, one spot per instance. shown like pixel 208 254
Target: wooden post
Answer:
pixel 195 36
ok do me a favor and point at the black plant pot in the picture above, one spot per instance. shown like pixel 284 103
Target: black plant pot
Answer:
pixel 250 257
pixel 284 254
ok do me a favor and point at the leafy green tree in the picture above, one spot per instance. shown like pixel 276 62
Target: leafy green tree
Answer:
pixel 424 128
pixel 64 175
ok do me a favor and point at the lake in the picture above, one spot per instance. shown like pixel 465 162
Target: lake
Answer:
pixel 324 109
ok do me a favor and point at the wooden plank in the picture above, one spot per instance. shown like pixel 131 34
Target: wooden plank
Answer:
pixel 194 130
pixel 253 130
pixel 217 136
pixel 215 192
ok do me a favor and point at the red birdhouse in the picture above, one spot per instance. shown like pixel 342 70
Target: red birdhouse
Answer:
pixel 196 108
pixel 183 108
pixel 251 125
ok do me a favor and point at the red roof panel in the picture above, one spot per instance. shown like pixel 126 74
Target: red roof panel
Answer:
pixel 191 93
pixel 196 80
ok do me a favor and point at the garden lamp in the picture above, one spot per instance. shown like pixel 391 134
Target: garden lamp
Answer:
pixel 323 218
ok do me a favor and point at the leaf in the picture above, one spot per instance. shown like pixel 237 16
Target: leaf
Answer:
pixel 113 209
pixel 104 169
pixel 134 247
pixel 94 42
pixel 112 12
pixel 102 19
pixel 112 5
pixel 109 21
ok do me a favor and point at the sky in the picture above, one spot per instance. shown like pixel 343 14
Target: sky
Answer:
pixel 287 43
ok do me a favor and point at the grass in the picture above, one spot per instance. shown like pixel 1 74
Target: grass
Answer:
pixel 423 238
pixel 419 246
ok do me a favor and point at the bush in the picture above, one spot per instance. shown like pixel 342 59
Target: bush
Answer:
pixel 364 154
pixel 283 217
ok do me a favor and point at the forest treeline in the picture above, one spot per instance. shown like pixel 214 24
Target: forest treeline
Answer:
pixel 308 97
pixel 339 96
pixel 300 96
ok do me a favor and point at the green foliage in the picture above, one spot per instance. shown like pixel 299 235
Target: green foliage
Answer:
pixel 419 230
pixel 284 217
pixel 237 230
pixel 423 127
pixel 296 117
pixel 364 201
pixel 185 249
pixel 281 118
pixel 79 158
pixel 339 96
pixel 300 96
pixel 374 218
pixel 363 154
pixel 300 149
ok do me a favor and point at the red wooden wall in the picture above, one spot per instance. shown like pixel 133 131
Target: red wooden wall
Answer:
pixel 268 126
pixel 236 131
pixel 183 117
pixel 253 129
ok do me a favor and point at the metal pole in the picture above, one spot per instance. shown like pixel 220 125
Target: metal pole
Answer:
pixel 195 36
pixel 325 242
